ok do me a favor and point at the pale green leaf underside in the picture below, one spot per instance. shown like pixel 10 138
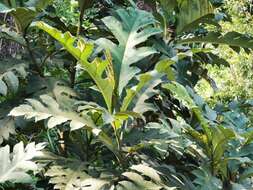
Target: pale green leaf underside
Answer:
pixel 14 166
pixel 67 178
pixel 48 109
pixel 75 177
pixel 7 127
pixel 9 76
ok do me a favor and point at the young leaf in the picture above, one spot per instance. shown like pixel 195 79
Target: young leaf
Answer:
pixel 141 92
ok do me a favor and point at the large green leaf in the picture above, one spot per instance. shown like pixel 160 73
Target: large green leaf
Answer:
pixel 23 17
pixel 48 108
pixel 206 181
pixel 76 175
pixel 233 39
pixel 14 166
pixel 138 94
pixel 180 92
pixel 52 111
pixel 190 11
pixel 67 177
pixel 82 52
pixel 131 27
pixel 161 137
pixel 220 138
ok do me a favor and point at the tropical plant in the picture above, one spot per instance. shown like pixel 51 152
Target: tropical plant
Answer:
pixel 113 98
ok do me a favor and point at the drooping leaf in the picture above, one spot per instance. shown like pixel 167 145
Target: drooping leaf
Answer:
pixel 190 11
pixel 137 179
pixel 233 39
pixel 130 27
pixel 23 17
pixel 180 93
pixel 14 166
pixel 75 175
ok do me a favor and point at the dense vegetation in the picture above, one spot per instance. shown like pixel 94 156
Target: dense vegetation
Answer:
pixel 126 95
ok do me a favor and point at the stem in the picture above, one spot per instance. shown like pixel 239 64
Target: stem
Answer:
pixel 117 139
pixel 116 136
pixel 212 160
pixel 80 21
pixel 72 69
pixel 48 56
pixel 36 66
pixel 87 145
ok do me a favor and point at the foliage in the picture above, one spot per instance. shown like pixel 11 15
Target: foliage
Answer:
pixel 107 91
pixel 15 166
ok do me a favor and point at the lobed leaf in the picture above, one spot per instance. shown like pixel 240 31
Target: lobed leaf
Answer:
pixel 14 166
pixel 131 27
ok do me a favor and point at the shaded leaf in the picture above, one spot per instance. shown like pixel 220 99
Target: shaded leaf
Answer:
pixel 231 38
